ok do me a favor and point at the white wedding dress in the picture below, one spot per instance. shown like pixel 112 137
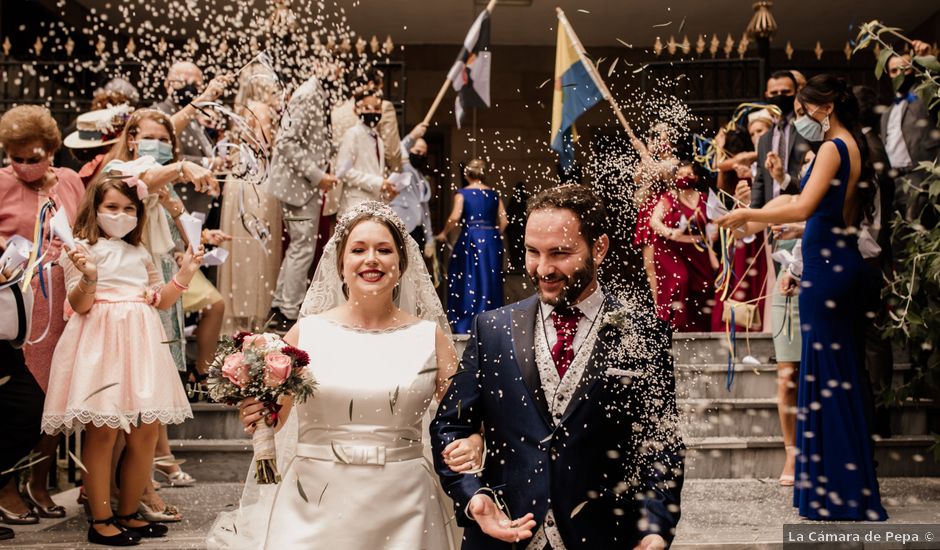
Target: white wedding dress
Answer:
pixel 354 458
pixel 359 478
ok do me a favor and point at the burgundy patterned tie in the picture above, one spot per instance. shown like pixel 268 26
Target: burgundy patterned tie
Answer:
pixel 566 326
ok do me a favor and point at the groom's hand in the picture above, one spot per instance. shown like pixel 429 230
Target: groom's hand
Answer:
pixel 651 542
pixel 496 524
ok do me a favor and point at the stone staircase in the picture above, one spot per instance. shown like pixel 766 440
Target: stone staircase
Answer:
pixel 730 433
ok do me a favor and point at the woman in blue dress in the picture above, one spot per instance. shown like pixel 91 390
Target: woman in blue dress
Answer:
pixel 475 273
pixel 835 471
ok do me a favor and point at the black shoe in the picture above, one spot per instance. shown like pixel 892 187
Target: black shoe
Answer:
pixel 278 322
pixel 6 533
pixel 149 531
pixel 124 538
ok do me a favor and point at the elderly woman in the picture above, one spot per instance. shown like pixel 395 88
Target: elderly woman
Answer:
pixel 30 138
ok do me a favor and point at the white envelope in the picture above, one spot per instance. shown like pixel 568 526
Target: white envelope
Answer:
pixel 400 180
pixel 683 224
pixel 714 208
pixel 216 256
pixel 201 216
pixel 61 228
pixel 792 261
pixel 16 254
pixel 192 227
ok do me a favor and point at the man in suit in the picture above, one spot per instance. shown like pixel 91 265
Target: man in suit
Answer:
pixel 184 82
pixel 298 175
pixel 360 162
pixel 782 145
pixel 574 393
pixel 344 116
pixel 909 134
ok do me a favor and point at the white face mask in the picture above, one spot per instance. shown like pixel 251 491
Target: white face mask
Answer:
pixel 116 225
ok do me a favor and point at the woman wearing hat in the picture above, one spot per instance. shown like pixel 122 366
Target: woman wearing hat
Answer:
pixel 96 131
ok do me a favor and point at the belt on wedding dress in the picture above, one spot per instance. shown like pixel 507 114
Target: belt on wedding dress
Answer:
pixel 360 455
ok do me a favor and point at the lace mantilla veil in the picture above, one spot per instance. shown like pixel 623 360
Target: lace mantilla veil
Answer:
pixel 246 527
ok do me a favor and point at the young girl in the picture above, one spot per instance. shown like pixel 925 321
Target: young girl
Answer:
pixel 111 368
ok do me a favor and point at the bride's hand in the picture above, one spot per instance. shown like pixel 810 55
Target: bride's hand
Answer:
pixel 251 411
pixel 496 524
pixel 464 454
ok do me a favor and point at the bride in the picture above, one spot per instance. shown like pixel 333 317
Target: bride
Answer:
pixel 352 460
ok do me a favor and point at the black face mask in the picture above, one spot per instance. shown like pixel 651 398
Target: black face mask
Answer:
pixel 185 95
pixel 370 119
pixel 419 162
pixel 783 102
pixel 906 83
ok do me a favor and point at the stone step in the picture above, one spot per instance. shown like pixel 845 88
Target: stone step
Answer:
pixel 763 457
pixel 712 347
pixel 210 421
pixel 706 458
pixel 758 417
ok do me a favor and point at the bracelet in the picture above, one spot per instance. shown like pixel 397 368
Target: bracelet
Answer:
pixel 179 285
pixel 83 291
pixel 179 172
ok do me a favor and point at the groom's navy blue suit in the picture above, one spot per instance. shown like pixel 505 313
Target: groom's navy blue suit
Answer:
pixel 615 446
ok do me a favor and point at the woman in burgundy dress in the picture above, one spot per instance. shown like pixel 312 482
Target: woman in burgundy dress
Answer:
pixel 685 264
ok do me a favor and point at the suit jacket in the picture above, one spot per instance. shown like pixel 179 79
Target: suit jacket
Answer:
pixel 762 190
pixel 344 117
pixel 194 146
pixel 361 166
pixel 611 459
pixel 303 149
pixel 918 130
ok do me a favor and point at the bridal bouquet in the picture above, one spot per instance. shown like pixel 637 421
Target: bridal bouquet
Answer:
pixel 265 367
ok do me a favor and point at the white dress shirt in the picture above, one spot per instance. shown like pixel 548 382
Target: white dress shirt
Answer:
pixel 895 146
pixel 590 307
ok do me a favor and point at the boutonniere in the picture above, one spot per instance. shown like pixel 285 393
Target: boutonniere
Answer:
pixel 616 318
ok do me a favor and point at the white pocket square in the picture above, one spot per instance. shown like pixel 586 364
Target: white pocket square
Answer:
pixel 612 371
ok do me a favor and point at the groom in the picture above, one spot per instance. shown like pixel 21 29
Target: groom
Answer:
pixel 574 393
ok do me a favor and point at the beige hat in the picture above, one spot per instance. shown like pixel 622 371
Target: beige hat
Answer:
pixel 98 128
pixel 762 115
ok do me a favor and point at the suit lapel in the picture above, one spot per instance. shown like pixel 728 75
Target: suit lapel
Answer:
pixel 524 320
pixel 593 370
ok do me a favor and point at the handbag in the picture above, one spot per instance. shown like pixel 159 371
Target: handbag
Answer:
pixel 17 307
pixel 746 315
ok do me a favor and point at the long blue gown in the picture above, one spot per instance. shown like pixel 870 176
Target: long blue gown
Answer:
pixel 475 275
pixel 835 457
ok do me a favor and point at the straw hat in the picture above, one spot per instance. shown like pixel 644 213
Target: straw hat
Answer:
pixel 98 128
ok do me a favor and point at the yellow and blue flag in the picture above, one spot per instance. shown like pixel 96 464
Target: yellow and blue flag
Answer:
pixel 577 89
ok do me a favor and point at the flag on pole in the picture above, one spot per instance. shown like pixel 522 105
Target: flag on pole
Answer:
pixel 577 89
pixel 470 74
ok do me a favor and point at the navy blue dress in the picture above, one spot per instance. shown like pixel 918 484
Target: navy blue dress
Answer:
pixel 475 274
pixel 831 432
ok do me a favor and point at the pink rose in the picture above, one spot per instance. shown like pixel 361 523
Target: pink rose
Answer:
pixel 255 341
pixel 276 369
pixel 235 370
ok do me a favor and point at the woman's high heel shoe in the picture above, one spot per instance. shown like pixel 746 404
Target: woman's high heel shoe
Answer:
pixel 123 538
pixel 26 518
pixel 169 514
pixel 149 531
pixel 54 511
pixel 179 478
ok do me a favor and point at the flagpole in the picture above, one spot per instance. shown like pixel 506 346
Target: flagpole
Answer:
pixel 448 82
pixel 600 81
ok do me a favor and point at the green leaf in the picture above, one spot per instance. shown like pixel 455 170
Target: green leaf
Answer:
pixel 300 490
pixel 578 508
pixel 323 492
pixel 882 61
pixel 4 380
pixel 928 62
pixel 77 461
pixel 350 409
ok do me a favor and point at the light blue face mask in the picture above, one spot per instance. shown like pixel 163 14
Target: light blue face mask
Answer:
pixel 810 128
pixel 160 151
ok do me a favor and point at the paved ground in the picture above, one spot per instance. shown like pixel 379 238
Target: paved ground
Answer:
pixel 717 514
